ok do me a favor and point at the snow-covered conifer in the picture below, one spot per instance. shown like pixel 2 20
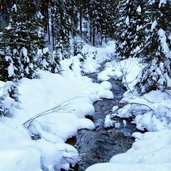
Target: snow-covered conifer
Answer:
pixel 156 47
pixel 23 42
pixel 128 34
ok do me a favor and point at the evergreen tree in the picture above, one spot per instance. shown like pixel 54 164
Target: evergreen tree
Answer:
pixel 157 47
pixel 9 99
pixel 143 30
pixel 128 34
pixel 23 43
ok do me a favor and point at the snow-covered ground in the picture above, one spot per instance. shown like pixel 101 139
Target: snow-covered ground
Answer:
pixel 152 111
pixel 54 108
pixel 151 151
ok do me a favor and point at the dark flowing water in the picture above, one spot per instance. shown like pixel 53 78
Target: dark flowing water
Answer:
pixel 100 144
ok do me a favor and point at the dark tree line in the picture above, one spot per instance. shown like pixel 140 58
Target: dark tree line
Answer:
pixel 27 27
pixel 141 29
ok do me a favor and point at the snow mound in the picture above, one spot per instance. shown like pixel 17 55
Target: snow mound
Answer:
pixel 145 154
pixel 151 111
pixel 148 149
pixel 106 94
pixel 127 70
pixel 19 160
pixel 106 85
pixel 129 167
pixel 52 108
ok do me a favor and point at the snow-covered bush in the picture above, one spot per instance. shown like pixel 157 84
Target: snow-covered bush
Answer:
pixel 9 99
pixel 150 111
pixel 155 76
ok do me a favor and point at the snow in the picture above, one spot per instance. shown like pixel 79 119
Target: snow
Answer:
pixel 144 151
pixel 10 70
pixel 107 94
pixel 151 111
pixel 139 9
pixel 107 73
pixel 106 85
pixel 52 107
pixel 73 97
pixel 127 70
pixel 127 21
pixel 108 122
pixel 39 95
pixel 97 55
pixel 45 50
pixel 14 8
pixel 162 38
pixel 24 52
pixel 19 160
pixel 8 27
pixel 153 25
pixel 129 167
pixel 58 103
pixel 151 150
pixel 162 2
pixel 89 60
pixel 12 157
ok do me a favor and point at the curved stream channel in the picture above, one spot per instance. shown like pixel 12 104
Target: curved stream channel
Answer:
pixel 100 144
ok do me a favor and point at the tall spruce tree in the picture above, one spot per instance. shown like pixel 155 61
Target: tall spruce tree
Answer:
pixel 157 47
pixel 128 33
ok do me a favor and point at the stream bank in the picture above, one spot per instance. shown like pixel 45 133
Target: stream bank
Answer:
pixel 100 144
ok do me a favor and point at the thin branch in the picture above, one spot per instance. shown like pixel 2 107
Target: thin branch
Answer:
pixel 124 76
pixel 147 100
pixel 115 111
pixel 142 105
pixel 58 108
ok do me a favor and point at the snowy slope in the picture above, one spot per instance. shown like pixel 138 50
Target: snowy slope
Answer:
pixel 152 111
pixel 151 151
pixel 64 100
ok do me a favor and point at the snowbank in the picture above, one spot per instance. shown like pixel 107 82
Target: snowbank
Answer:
pixel 52 107
pixel 151 150
pixel 90 59
pixel 151 111
pixel 18 160
pixel 126 70
pixel 129 167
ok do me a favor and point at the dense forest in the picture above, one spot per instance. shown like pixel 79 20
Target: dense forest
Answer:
pixel 28 27
pixel 39 33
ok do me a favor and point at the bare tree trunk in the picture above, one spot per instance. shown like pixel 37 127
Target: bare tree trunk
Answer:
pixel 53 33
pixel 81 15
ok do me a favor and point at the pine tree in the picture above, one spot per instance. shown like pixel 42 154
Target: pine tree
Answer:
pixel 9 99
pixel 157 47
pixel 23 41
pixel 128 34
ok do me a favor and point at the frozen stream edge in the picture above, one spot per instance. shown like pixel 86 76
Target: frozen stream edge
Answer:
pixel 100 144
